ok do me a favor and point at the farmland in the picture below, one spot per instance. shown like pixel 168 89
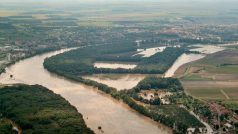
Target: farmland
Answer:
pixel 214 78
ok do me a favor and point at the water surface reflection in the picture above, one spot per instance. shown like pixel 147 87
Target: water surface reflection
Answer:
pixel 97 108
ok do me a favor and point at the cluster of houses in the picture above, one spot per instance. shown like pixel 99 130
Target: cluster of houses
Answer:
pixel 153 94
pixel 197 131
pixel 223 118
pixel 13 53
pixel 15 56
pixel 223 121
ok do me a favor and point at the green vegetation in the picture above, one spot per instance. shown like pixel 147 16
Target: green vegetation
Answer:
pixel 178 115
pixel 80 61
pixel 212 80
pixel 36 109
pixel 155 83
pixel 6 127
pixel 160 62
pixel 95 23
pixel 30 30
pixel 233 105
pixel 230 69
pixel 167 84
pixel 206 93
pixel 222 62
pixel 194 77
pixel 173 114
pixel 214 93
pixel 232 47
pixel 216 73
pixel 111 31
pixel 127 97
pixel 2 69
pixel 198 106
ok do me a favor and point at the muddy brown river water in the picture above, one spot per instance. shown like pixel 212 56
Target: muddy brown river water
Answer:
pixel 97 108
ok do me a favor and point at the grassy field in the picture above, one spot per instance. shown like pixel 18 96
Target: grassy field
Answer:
pixel 195 77
pixel 206 93
pixel 232 47
pixel 231 104
pixel 224 62
pixel 214 78
pixel 232 93
pixel 212 90
pixel 226 69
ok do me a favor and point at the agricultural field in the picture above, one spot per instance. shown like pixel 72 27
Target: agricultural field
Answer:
pixel 214 78
pixel 213 93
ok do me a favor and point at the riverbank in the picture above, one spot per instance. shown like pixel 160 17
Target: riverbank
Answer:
pixel 120 96
pixel 123 96
pixel 110 113
pixel 2 68
pixel 24 70
pixel 128 80
pixel 82 60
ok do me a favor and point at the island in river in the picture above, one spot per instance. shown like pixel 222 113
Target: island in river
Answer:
pixel 77 95
pixel 179 102
pixel 87 99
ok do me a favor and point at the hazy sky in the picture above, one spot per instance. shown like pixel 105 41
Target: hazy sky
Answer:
pixel 112 0
pixel 102 2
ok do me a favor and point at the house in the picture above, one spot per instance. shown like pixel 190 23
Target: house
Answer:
pixel 227 127
pixel 153 94
pixel 201 130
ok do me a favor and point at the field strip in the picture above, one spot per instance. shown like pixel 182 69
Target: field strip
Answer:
pixel 185 72
pixel 227 97
pixel 210 84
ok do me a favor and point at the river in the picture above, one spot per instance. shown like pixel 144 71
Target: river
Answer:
pixel 183 59
pixel 186 58
pixel 128 81
pixel 118 81
pixel 114 65
pixel 98 109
